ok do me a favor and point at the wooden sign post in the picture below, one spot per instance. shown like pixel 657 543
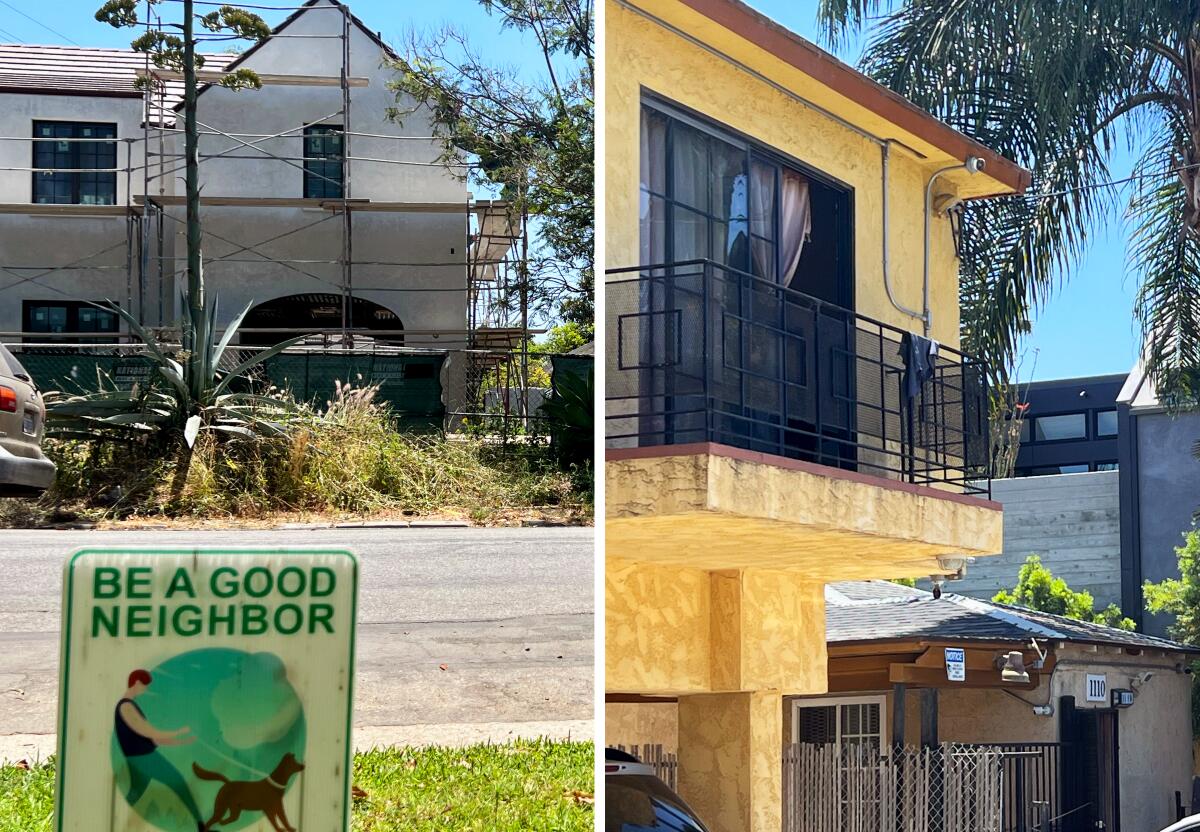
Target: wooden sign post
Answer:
pixel 206 689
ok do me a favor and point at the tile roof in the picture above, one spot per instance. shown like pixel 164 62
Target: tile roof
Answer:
pixel 884 611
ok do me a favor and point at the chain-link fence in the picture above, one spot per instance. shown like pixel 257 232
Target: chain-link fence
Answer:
pixel 426 390
pixel 409 381
pixel 853 788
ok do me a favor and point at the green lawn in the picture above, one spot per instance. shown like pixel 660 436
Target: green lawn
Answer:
pixel 531 786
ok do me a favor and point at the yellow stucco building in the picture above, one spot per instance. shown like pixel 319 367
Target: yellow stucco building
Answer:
pixel 786 404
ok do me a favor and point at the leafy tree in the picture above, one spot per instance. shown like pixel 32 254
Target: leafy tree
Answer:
pixel 562 339
pixel 1038 589
pixel 1180 597
pixel 1056 86
pixel 534 140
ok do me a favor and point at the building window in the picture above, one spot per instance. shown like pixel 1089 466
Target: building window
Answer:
pixel 1106 423
pixel 708 194
pixel 64 317
pixel 1059 428
pixel 1106 466
pixel 1051 470
pixel 323 161
pixel 850 721
pixel 76 185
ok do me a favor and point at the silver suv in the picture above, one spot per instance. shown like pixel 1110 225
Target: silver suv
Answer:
pixel 24 470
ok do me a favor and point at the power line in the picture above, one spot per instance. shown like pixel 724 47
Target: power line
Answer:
pixel 1112 183
pixel 11 36
pixel 38 22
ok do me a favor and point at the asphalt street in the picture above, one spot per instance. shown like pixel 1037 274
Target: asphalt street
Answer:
pixel 508 612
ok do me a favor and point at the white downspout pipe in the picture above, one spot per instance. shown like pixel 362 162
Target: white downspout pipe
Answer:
pixel 973 165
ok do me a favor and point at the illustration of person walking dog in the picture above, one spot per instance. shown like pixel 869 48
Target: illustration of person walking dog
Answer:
pixel 139 742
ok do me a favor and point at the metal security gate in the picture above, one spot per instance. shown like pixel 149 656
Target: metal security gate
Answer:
pixel 1033 796
pixel 947 788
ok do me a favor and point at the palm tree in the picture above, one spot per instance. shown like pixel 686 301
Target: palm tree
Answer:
pixel 1056 86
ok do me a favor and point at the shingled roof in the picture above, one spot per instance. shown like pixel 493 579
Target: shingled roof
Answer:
pixel 81 70
pixel 858 611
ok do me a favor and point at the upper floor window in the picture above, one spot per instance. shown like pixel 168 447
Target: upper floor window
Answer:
pixel 1060 427
pixel 56 146
pixel 60 317
pixel 1106 423
pixel 323 161
pixel 707 193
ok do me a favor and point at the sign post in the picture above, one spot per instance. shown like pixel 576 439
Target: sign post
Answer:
pixel 206 689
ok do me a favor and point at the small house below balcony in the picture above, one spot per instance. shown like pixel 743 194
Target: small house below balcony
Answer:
pixel 751 425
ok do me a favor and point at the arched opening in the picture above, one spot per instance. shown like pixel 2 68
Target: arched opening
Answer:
pixel 301 314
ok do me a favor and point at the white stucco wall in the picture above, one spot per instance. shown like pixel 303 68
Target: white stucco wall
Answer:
pixel 428 293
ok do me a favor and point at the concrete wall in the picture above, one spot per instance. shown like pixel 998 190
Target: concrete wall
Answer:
pixel 1072 520
pixel 1168 493
pixel 427 293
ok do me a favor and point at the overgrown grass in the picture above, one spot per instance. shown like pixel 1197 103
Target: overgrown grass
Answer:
pixel 531 786
pixel 349 459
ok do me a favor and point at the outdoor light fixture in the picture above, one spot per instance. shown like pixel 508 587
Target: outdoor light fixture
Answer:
pixel 1012 668
pixel 954 566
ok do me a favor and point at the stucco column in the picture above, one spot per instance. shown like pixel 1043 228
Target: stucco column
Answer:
pixel 730 759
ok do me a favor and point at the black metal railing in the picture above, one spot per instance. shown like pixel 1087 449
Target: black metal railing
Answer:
pixel 698 352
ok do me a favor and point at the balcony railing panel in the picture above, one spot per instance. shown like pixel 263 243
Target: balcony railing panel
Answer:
pixel 698 352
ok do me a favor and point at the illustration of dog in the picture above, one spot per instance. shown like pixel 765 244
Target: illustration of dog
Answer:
pixel 265 795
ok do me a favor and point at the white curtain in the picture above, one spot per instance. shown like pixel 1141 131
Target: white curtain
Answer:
pixel 762 215
pixel 795 222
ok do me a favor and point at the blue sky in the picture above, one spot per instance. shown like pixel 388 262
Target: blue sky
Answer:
pixel 1086 329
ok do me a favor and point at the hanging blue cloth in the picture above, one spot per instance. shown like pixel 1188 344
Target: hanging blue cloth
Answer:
pixel 919 355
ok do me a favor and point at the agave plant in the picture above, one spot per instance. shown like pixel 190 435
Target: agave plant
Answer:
pixel 198 394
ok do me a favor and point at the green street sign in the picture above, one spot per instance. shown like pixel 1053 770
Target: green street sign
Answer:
pixel 206 689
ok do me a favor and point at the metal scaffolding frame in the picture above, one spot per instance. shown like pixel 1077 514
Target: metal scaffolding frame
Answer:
pixel 495 262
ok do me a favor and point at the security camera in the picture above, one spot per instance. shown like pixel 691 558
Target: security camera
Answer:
pixel 975 164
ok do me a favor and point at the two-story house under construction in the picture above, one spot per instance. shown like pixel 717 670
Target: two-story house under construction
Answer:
pixel 786 403
pixel 318 209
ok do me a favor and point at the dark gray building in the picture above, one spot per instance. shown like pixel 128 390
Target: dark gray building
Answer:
pixel 1160 490
pixel 1070 426
pixel 1106 485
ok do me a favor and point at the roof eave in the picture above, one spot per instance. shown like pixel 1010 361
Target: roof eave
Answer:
pixel 789 47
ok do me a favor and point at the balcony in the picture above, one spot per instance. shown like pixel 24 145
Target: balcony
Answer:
pixel 752 425
pixel 703 353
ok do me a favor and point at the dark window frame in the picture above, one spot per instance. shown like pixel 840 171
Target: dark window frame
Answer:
pixel 755 151
pixel 72 309
pixel 1096 423
pixel 1033 440
pixel 319 169
pixel 75 151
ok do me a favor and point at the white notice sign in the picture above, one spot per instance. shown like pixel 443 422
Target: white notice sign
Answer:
pixel 956 664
